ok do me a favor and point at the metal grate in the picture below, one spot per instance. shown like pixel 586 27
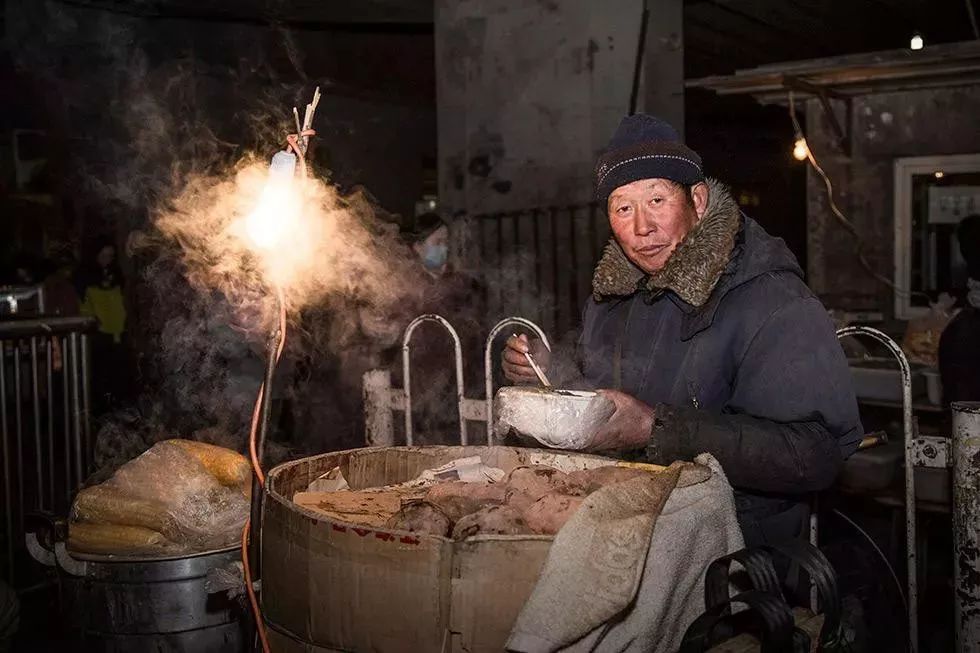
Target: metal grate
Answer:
pixel 535 262
pixel 44 421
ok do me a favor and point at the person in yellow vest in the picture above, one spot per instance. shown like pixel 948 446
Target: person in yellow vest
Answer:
pixel 101 290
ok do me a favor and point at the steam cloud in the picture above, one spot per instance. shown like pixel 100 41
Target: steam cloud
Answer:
pixel 183 159
pixel 180 149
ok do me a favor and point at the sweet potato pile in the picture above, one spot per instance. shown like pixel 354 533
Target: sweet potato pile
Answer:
pixel 531 500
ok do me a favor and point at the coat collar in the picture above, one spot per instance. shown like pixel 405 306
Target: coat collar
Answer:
pixel 692 271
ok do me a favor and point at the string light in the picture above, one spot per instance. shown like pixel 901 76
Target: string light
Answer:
pixel 800 149
pixel 916 43
pixel 940 174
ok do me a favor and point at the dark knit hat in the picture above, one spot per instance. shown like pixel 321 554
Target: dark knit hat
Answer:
pixel 644 147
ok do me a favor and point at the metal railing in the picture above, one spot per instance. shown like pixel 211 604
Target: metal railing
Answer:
pixel 44 421
pixel 28 300
pixel 536 262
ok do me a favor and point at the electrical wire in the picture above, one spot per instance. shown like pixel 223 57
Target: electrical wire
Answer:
pixel 253 601
pixel 973 18
pixel 881 554
pixel 257 469
pixel 839 215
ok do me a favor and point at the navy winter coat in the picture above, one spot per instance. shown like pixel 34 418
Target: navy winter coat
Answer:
pixel 738 358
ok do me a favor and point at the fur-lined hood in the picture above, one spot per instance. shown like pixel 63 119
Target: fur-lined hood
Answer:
pixel 694 268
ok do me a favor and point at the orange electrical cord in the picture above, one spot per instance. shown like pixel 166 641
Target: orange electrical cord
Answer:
pixel 293 144
pixel 253 601
pixel 257 469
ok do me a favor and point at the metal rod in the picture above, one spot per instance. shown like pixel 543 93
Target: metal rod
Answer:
pixel 18 424
pixel 488 364
pixel 7 494
pixel 12 329
pixel 594 246
pixel 966 525
pixel 519 263
pixel 500 263
pixel 36 403
pixel 554 268
pixel 49 390
pixel 573 302
pixel 407 374
pixel 86 405
pixel 910 514
pixel 255 532
pixel 535 217
pixel 66 414
pixel 76 411
pixel 638 64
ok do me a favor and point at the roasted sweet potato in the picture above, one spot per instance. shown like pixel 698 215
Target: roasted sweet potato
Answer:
pixel 420 517
pixel 458 499
pixel 493 520
pixel 593 479
pixel 538 480
pixel 548 514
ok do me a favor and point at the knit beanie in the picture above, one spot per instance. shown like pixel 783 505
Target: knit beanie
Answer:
pixel 644 147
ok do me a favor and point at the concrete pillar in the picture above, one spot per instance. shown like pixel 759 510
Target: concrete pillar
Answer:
pixel 663 62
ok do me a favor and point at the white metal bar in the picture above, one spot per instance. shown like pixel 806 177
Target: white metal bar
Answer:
pixel 910 514
pixel 406 373
pixel 488 364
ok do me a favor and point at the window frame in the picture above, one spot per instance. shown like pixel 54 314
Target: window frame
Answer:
pixel 904 169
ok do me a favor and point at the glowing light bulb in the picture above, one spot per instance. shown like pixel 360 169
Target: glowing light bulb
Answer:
pixel 940 174
pixel 271 218
pixel 916 43
pixel 800 149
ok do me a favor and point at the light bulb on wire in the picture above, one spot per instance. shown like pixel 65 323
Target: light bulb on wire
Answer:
pixel 916 43
pixel 273 214
pixel 800 149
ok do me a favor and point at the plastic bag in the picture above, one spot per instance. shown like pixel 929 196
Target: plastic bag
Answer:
pixel 168 490
pixel 921 341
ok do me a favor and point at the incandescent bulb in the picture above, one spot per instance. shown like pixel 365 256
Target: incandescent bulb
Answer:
pixel 916 43
pixel 273 214
pixel 800 149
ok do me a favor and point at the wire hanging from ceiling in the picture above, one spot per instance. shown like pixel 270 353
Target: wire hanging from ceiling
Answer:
pixel 837 213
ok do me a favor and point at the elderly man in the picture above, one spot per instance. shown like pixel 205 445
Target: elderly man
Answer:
pixel 703 333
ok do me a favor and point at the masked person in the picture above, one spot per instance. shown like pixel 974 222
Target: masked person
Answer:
pixel 456 296
pixel 704 335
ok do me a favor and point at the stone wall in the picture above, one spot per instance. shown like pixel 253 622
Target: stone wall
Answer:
pixel 885 126
pixel 527 94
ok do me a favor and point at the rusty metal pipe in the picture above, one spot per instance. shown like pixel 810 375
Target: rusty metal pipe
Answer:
pixel 966 525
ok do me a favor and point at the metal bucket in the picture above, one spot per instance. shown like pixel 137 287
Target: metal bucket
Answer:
pixel 134 605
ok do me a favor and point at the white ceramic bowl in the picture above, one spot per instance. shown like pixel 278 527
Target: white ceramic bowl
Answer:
pixel 561 419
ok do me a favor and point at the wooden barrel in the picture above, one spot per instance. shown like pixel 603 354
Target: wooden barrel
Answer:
pixel 334 586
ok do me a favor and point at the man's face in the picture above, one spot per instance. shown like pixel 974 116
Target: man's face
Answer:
pixel 650 217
